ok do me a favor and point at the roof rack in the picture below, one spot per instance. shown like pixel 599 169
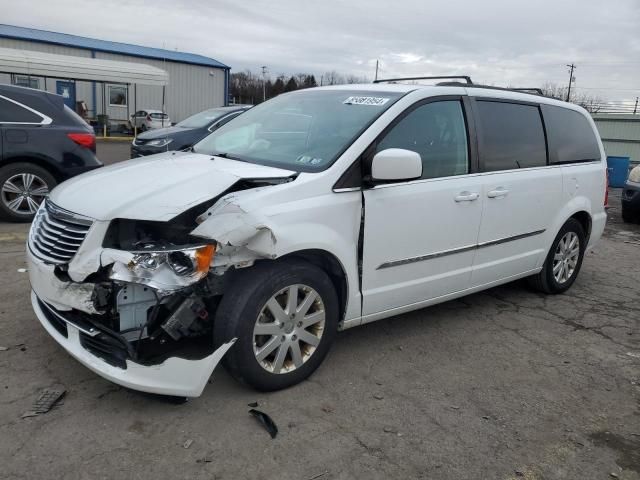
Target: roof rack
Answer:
pixel 467 83
pixel 531 90
pixel 466 78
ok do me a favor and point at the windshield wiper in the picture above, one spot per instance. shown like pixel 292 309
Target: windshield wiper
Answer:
pixel 228 155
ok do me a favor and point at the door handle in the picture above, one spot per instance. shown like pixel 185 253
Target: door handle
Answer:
pixel 466 196
pixel 498 192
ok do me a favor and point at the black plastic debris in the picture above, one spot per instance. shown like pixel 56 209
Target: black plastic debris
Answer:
pixel 266 421
pixel 252 404
pixel 45 401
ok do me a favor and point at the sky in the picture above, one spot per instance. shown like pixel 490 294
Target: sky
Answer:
pixel 500 42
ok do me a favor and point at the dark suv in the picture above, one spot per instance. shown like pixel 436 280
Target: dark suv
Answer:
pixel 42 143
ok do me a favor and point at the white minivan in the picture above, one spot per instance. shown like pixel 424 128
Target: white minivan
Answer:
pixel 316 211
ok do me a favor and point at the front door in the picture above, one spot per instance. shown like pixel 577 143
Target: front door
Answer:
pixel 420 236
pixel 68 92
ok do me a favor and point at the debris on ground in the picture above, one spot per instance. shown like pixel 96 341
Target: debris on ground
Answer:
pixel 378 396
pixel 322 474
pixel 614 475
pixel 4 349
pixel 326 409
pixel 455 407
pixel 188 443
pixel 389 430
pixel 45 401
pixel 266 421
pixel 22 270
pixel 252 404
pixel 204 460
pixel 519 473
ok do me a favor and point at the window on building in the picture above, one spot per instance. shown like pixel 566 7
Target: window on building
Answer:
pixel 570 136
pixel 437 132
pixel 26 81
pixel 510 136
pixel 117 96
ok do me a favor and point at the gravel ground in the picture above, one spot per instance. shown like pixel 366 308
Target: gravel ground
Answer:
pixel 503 384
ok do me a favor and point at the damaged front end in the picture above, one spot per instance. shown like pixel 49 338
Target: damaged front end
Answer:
pixel 144 318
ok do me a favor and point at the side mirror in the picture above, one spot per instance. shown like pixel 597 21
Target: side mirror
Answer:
pixel 396 164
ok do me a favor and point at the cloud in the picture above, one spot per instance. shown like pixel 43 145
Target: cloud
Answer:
pixel 502 42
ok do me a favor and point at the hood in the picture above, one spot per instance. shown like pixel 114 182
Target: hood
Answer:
pixel 162 133
pixel 156 187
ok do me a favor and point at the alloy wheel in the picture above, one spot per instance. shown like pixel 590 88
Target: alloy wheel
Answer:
pixel 23 193
pixel 565 259
pixel 288 329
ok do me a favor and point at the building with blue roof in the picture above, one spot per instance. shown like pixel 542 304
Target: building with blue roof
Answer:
pixel 195 83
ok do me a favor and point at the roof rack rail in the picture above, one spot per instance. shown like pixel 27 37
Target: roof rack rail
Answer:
pixel 525 90
pixel 466 78
pixel 531 90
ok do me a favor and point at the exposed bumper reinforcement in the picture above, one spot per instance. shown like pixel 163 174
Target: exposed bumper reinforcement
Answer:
pixel 174 376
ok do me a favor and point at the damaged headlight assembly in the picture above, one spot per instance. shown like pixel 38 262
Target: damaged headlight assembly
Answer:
pixel 166 269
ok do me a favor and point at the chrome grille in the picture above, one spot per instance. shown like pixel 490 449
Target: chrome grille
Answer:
pixel 56 234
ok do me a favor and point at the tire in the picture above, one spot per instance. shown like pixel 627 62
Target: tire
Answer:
pixel 13 180
pixel 143 128
pixel 627 217
pixel 244 307
pixel 546 281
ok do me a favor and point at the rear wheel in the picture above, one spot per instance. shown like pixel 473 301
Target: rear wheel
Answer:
pixel 23 187
pixel 563 261
pixel 285 317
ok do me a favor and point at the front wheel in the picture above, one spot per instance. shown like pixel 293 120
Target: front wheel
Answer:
pixel 23 187
pixel 563 261
pixel 285 317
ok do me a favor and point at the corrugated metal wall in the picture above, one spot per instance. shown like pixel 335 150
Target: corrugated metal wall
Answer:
pixel 192 88
pixel 620 134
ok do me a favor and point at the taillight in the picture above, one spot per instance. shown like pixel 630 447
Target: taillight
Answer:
pixel 86 140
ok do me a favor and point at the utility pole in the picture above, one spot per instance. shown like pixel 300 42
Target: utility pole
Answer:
pixel 376 70
pixel 635 108
pixel 571 79
pixel 264 82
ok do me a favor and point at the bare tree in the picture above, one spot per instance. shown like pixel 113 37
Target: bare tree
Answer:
pixel 591 103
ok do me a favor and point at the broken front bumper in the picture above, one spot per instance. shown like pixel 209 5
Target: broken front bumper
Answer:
pixel 174 376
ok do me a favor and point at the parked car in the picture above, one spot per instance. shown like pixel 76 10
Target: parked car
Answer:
pixel 185 133
pixel 42 143
pixel 316 211
pixel 631 197
pixel 149 119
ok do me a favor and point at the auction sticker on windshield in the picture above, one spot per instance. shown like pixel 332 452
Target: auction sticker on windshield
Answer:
pixel 376 101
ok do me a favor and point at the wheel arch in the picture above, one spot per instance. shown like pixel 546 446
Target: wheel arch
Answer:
pixel 40 162
pixel 328 262
pixel 585 220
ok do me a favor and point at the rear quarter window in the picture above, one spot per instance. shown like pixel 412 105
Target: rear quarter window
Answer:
pixel 510 136
pixel 13 113
pixel 570 136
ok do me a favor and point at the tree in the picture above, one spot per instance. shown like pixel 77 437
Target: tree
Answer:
pixel 291 85
pixel 591 103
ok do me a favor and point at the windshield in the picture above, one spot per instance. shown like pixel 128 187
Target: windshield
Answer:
pixel 203 119
pixel 302 131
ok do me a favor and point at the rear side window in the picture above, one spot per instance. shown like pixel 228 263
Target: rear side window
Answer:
pixel 510 136
pixel 436 131
pixel 159 116
pixel 13 113
pixel 570 136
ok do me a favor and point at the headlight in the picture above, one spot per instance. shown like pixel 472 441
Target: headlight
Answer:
pixel 161 142
pixel 634 175
pixel 166 270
